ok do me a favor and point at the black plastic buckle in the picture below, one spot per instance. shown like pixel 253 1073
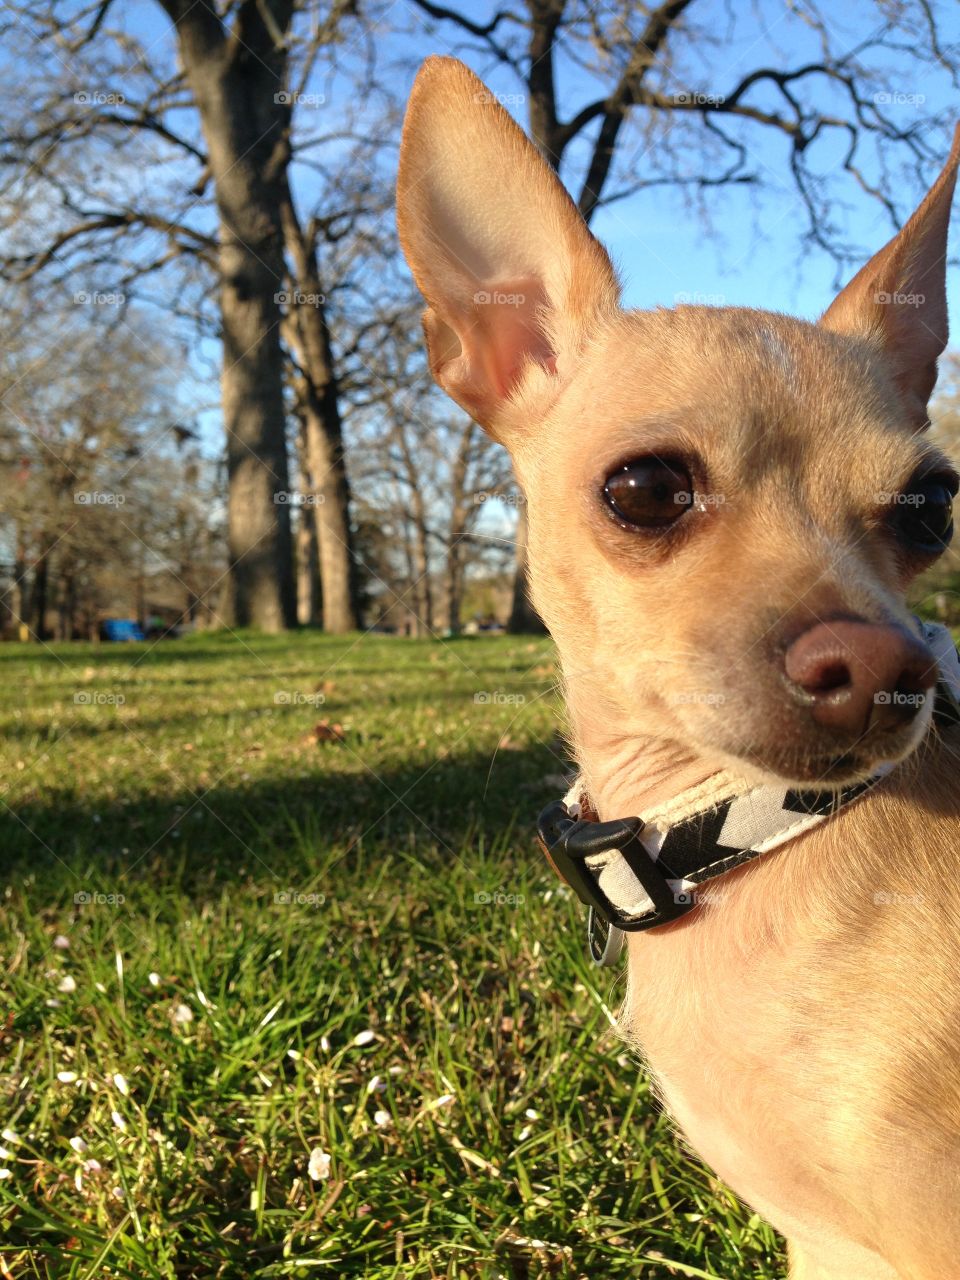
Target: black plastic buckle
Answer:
pixel 568 842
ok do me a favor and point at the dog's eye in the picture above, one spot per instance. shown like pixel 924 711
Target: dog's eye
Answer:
pixel 924 513
pixel 649 493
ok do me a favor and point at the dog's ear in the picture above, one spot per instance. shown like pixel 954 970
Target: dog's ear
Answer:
pixel 514 280
pixel 899 298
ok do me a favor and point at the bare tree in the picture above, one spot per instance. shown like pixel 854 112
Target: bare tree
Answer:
pixel 428 471
pixel 107 91
pixel 82 517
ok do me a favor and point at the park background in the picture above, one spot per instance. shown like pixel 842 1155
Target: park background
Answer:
pixel 287 988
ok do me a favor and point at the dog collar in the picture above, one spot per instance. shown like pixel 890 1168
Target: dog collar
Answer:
pixel 636 875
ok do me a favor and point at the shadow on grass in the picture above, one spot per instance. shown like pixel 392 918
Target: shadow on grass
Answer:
pixel 434 810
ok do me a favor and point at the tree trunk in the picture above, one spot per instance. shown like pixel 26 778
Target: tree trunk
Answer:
pixel 523 617
pixel 423 592
pixel 38 602
pixel 453 584
pixel 309 613
pixel 309 610
pixel 330 487
pixel 19 595
pixel 234 77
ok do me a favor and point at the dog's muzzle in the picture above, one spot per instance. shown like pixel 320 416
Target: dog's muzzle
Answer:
pixel 635 875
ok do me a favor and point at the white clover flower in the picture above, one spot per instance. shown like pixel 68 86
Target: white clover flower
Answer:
pixel 153 979
pixel 324 1044
pixel 377 1085
pixel 66 1077
pixel 119 1121
pixel 8 1135
pixel 363 1038
pixel 78 1144
pixel 121 1083
pixel 182 1014
pixel 294 1054
pixel 61 942
pixel 5 1173
pixel 382 1119
pixel 319 1165
pixel 67 984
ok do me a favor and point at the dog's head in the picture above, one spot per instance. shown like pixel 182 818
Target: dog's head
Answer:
pixel 725 505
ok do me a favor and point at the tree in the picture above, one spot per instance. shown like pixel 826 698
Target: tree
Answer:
pixel 426 471
pixel 654 79
pixel 99 491
pixel 235 64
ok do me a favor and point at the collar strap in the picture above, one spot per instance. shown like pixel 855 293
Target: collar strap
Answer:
pixel 636 875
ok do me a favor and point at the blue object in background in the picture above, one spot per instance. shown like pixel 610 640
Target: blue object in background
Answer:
pixel 117 629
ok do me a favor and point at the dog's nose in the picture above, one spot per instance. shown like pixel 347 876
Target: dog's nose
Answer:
pixel 857 676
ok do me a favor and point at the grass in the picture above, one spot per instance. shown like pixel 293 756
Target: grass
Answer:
pixel 228 942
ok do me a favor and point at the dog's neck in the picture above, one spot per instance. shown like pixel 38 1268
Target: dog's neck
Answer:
pixel 636 775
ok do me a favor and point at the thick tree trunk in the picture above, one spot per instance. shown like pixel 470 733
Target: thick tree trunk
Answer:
pixel 320 394
pixel 234 77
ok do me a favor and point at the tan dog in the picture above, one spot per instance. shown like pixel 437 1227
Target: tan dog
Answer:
pixel 804 1028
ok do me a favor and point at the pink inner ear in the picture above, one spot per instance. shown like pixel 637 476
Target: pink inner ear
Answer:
pixel 504 332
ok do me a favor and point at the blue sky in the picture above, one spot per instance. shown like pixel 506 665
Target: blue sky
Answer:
pixel 751 253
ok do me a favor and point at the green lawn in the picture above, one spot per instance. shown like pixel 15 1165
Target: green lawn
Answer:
pixel 227 944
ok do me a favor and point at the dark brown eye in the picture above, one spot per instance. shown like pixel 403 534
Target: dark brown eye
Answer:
pixel 649 493
pixel 923 513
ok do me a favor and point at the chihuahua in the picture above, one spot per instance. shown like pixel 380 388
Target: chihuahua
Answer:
pixel 725 509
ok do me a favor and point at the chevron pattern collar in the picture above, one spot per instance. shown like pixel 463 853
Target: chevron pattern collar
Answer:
pixel 635 874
